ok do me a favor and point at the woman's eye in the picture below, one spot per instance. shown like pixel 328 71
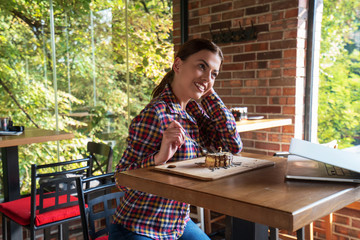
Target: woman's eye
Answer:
pixel 214 75
pixel 202 66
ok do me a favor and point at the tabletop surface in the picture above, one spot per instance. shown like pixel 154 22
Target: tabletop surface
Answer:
pixel 262 195
pixel 251 125
pixel 34 135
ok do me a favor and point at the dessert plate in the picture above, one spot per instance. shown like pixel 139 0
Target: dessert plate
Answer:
pixel 195 168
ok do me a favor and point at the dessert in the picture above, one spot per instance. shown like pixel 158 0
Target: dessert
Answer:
pixel 220 159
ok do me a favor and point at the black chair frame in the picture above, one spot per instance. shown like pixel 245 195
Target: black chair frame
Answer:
pixel 60 185
pixel 102 193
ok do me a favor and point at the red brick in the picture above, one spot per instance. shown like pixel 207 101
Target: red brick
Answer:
pixel 194 22
pixel 235 66
pixel 243 3
pixel 247 143
pixel 290 63
pixel 269 55
pixel 289 72
pixel 259 136
pixel 224 75
pixel 244 74
pixel 209 2
pixel 256 47
pixel 281 5
pixel 252 83
pixel 220 25
pixel 222 7
pixel 282 100
pixel 288 110
pixel 292 13
pixel 244 57
pixel 275 91
pixel 288 129
pixel 256 65
pixel 289 91
pixel 268 109
pixel 283 24
pixel 233 14
pixel 269 73
pixel 349 212
pixel 244 91
pixel 255 100
pixel 285 147
pixel 277 63
pixel 282 82
pixel 356 223
pixel 286 139
pixel 222 91
pixel 257 10
pixel 341 219
pixel 203 11
pixel 193 5
pixel 274 137
pixel 346 231
pixel 284 44
pixel 227 59
pixel 233 49
pixel 197 29
pixel 233 83
pixel 269 146
pixel 262 91
pixel 233 99
pixel 265 18
pixel 290 34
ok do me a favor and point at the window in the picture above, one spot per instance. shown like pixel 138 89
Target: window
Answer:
pixel 89 71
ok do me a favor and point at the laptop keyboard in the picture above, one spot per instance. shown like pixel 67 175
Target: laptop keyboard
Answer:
pixel 337 171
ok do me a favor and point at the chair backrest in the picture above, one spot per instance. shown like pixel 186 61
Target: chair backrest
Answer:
pixel 101 199
pixel 104 150
pixel 53 185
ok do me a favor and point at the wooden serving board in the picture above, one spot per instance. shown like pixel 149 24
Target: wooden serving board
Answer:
pixel 195 168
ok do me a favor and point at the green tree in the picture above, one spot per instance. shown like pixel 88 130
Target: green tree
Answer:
pixel 26 69
pixel 339 92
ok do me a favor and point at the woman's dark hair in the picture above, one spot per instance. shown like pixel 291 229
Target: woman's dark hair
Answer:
pixel 187 49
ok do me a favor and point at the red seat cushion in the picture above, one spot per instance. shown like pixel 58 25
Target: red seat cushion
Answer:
pixel 19 210
pixel 102 238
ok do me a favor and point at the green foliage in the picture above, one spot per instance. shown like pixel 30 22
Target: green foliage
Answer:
pixel 339 92
pixel 26 69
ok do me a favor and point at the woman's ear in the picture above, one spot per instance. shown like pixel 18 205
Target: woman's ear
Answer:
pixel 177 64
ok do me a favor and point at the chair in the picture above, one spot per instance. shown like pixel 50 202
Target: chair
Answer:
pixel 45 208
pixel 101 200
pixel 96 149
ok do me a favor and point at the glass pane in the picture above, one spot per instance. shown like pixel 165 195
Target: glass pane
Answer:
pixel 102 60
pixel 339 92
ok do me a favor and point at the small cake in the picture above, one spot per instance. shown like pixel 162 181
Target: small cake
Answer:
pixel 220 159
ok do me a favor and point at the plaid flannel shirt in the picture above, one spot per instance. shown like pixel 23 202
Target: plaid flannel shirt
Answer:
pixel 211 126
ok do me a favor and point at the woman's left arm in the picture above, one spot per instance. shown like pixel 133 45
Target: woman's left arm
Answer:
pixel 216 124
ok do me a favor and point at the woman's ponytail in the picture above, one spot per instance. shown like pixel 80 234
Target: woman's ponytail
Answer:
pixel 169 76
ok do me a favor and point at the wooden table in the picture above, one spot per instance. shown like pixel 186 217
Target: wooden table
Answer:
pixel 262 196
pixel 10 162
pixel 251 125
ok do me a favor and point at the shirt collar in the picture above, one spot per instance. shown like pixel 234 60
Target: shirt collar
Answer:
pixel 174 106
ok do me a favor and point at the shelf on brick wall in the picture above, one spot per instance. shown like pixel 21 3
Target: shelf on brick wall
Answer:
pixel 252 125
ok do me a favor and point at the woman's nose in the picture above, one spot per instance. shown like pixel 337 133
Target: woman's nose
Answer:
pixel 207 76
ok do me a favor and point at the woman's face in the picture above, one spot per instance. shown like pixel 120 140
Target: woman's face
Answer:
pixel 195 76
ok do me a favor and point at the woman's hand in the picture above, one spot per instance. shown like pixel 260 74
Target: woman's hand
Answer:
pixel 208 92
pixel 173 138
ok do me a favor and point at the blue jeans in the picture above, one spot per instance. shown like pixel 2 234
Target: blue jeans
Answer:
pixel 192 232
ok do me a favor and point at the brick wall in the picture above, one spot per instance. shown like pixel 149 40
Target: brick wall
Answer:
pixel 267 75
pixel 260 74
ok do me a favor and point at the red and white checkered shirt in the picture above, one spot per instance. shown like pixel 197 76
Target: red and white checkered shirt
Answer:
pixel 211 125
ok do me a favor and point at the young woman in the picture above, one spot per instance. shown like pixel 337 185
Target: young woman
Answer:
pixel 174 127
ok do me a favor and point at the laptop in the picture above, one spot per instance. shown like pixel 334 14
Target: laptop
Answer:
pixel 311 161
